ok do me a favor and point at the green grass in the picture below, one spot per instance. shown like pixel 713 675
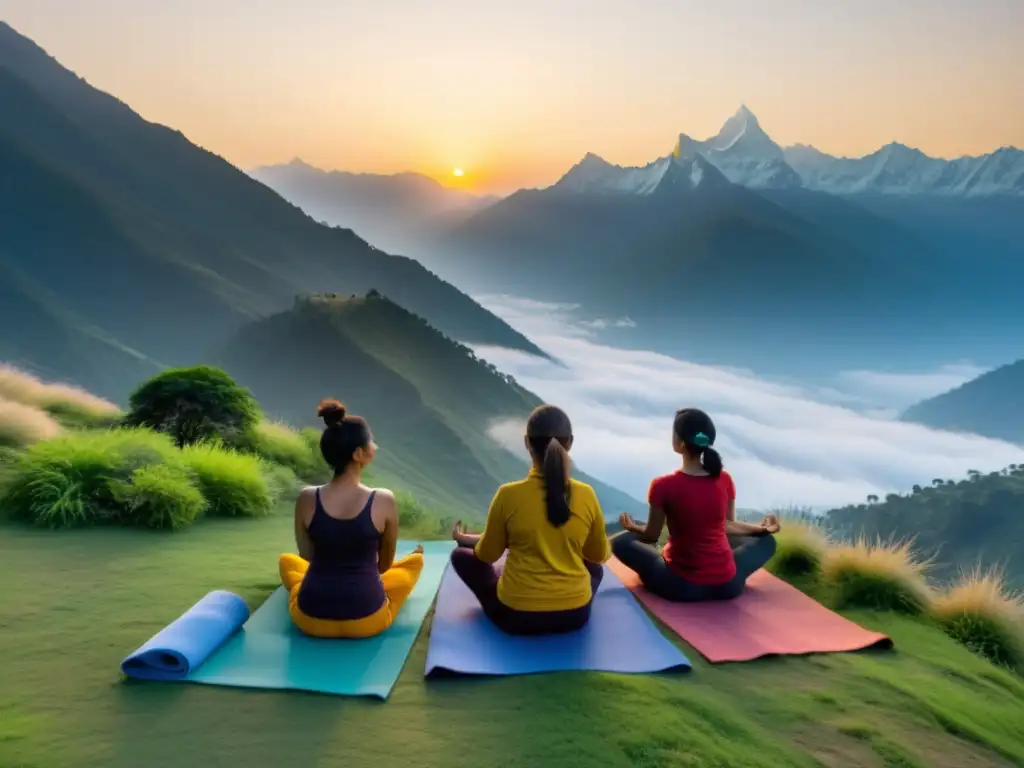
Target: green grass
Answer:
pixel 76 601
pixel 234 484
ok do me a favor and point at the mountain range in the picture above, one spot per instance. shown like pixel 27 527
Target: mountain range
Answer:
pixel 124 247
pixel 720 251
pixel 747 155
pixel 806 263
pixel 390 211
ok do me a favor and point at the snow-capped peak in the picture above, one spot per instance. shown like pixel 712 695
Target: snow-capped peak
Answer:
pixel 593 174
pixel 745 154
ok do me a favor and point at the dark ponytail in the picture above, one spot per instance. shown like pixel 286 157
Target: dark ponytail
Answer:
pixel 696 431
pixel 549 434
pixel 711 460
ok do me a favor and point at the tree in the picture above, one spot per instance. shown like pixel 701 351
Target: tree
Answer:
pixel 872 499
pixel 193 404
pixel 916 489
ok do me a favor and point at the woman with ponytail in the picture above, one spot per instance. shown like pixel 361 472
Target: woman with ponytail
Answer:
pixel 709 554
pixel 345 581
pixel 554 531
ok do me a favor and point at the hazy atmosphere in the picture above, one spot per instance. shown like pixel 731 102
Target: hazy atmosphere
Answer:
pixel 513 93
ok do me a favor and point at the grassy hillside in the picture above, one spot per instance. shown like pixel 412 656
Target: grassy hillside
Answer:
pixel 428 399
pixel 161 246
pixel 957 523
pixel 990 405
pixel 81 600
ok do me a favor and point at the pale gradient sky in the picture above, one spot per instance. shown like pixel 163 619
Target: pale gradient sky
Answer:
pixel 516 92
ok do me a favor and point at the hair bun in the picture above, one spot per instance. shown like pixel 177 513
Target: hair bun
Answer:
pixel 331 411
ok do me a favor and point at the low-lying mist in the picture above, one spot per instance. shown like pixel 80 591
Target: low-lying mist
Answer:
pixel 785 444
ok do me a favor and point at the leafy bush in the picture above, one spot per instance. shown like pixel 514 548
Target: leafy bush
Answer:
pixel 233 483
pixel 71 405
pixel 159 496
pixel 801 548
pixel 279 443
pixel 85 478
pixel 980 612
pixel 22 425
pixel 877 576
pixel 194 405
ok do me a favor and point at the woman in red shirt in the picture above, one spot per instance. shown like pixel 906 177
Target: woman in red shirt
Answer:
pixel 698 503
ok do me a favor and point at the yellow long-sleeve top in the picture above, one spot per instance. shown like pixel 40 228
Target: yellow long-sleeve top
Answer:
pixel 544 570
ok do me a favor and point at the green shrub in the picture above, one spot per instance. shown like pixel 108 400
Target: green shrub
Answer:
pixel 70 405
pixel 800 550
pixel 194 405
pixel 233 483
pixel 80 478
pixel 21 425
pixel 877 576
pixel 980 612
pixel 280 444
pixel 159 496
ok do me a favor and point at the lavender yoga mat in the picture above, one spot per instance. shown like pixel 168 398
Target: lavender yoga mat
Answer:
pixel 619 637
pixel 771 617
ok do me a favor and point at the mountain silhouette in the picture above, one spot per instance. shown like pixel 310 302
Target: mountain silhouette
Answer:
pixel 990 405
pixel 157 246
pixel 390 211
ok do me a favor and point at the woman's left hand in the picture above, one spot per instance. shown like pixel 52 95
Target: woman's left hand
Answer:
pixel 627 522
pixel 771 524
pixel 457 531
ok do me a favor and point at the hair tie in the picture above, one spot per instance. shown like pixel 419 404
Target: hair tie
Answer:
pixel 701 440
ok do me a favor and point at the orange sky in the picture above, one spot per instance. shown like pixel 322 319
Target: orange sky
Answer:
pixel 516 92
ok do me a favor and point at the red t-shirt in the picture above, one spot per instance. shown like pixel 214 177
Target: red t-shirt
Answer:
pixel 695 511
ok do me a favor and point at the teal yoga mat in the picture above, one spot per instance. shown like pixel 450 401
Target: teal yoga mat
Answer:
pixel 269 652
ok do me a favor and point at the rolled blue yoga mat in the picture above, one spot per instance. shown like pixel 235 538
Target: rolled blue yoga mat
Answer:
pixel 182 647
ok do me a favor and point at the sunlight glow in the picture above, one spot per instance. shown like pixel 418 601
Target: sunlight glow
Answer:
pixel 458 172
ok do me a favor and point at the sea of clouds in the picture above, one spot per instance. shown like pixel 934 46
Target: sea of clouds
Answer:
pixel 785 444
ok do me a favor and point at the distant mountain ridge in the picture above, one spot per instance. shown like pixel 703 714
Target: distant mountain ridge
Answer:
pixel 747 155
pixel 388 210
pixel 991 405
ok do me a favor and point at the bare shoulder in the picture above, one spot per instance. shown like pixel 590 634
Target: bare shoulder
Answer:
pixel 306 496
pixel 385 495
pixel 384 500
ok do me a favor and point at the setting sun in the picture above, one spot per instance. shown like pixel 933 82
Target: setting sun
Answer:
pixel 458 172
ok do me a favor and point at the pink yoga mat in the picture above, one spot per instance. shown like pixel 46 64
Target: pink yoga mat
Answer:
pixel 770 617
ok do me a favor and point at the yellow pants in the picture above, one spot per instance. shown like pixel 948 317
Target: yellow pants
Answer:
pixel 398 580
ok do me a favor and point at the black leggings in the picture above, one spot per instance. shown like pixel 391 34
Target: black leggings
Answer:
pixel 751 553
pixel 482 580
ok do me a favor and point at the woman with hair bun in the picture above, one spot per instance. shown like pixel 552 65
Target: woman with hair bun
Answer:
pixel 698 502
pixel 554 532
pixel 345 581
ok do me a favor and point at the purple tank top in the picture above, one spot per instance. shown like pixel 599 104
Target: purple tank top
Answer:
pixel 343 581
